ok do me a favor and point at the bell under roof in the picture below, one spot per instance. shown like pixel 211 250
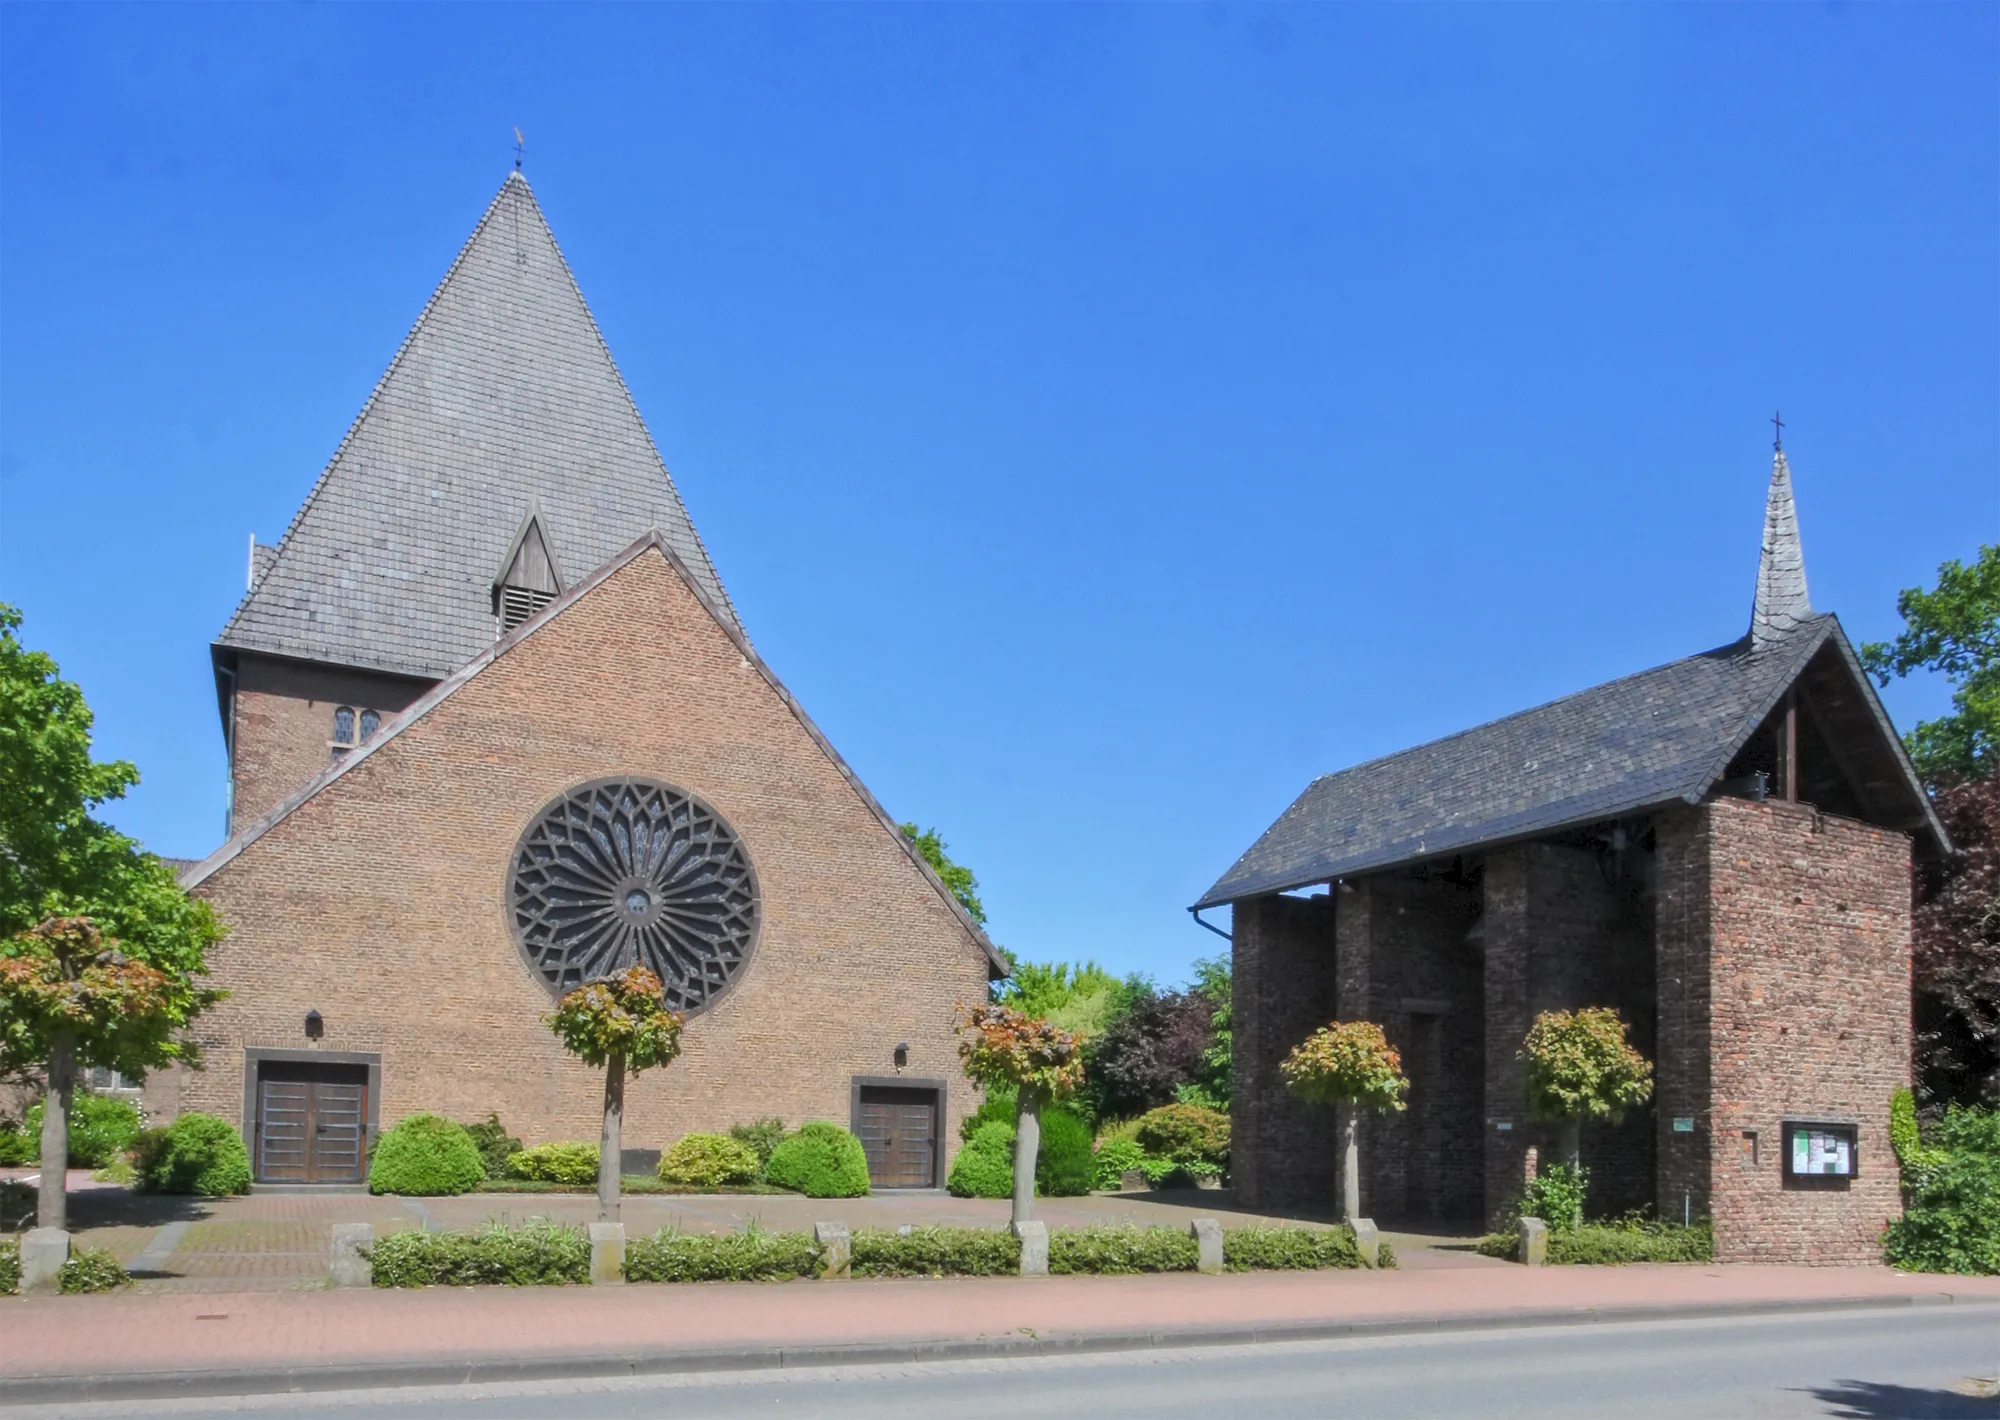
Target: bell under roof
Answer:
pixel 502 400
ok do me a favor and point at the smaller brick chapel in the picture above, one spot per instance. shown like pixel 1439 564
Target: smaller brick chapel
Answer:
pixel 1720 848
pixel 495 728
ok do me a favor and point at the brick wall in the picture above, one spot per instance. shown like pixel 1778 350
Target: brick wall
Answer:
pixel 1283 1154
pixel 284 724
pixel 378 902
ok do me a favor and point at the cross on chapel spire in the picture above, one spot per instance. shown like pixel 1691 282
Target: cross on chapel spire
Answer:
pixel 1781 602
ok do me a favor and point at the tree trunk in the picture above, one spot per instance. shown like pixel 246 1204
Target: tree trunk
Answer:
pixel 52 1206
pixel 608 1144
pixel 1572 1142
pixel 1350 1164
pixel 1027 1143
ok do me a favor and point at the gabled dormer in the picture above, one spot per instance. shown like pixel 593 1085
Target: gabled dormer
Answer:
pixel 529 578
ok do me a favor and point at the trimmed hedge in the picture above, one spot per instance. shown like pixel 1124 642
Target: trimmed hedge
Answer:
pixel 1613 1243
pixel 198 1153
pixel 10 1267
pixel 571 1162
pixel 1187 1134
pixel 90 1269
pixel 536 1253
pixel 984 1167
pixel 1109 1249
pixel 822 1160
pixel 1064 1167
pixel 1291 1249
pixel 749 1256
pixel 425 1156
pixel 709 1161
pixel 936 1252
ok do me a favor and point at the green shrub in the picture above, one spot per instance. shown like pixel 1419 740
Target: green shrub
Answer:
pixel 424 1156
pixel 760 1137
pixel 90 1269
pixel 101 1129
pixel 999 1107
pixel 10 1267
pixel 748 1256
pixel 822 1160
pixel 1112 1159
pixel 494 1143
pixel 1632 1240
pixel 1283 1249
pixel 18 1148
pixel 1555 1195
pixel 1063 1165
pixel 1159 1172
pixel 572 1163
pixel 984 1167
pixel 197 1153
pixel 627 1183
pixel 1385 1258
pixel 1108 1249
pixel 708 1161
pixel 1952 1223
pixel 117 1171
pixel 1186 1133
pixel 936 1252
pixel 1118 1131
pixel 1506 1246
pixel 532 1254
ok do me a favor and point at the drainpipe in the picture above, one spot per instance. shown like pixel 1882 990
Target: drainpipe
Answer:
pixel 229 749
pixel 1195 912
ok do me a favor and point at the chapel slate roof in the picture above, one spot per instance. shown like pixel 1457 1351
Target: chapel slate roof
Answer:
pixel 503 396
pixel 1615 749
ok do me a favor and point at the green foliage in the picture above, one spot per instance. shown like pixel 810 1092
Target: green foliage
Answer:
pixel 17 1206
pixel 1063 1164
pixel 537 1253
pixel 198 1153
pixel 90 1269
pixel 570 1163
pixel 101 1129
pixel 748 1256
pixel 1186 1134
pixel 18 1148
pixel 1555 1195
pixel 999 1046
pixel 935 1252
pixel 1581 1067
pixel 1110 1250
pixel 623 1016
pixel 494 1143
pixel 1216 1083
pixel 1385 1258
pixel 1289 1249
pixel 1082 998
pixel 424 1156
pixel 822 1160
pixel 1346 1063
pixel 709 1161
pixel 1952 630
pixel 984 1167
pixel 760 1137
pixel 118 1171
pixel 1113 1159
pixel 10 1267
pixel 1952 1222
pixel 959 881
pixel 998 1107
pixel 1633 1240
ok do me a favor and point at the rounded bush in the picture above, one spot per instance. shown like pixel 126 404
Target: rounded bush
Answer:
pixel 708 1161
pixel 821 1161
pixel 423 1156
pixel 1114 1157
pixel 997 1108
pixel 571 1163
pixel 1187 1134
pixel 197 1153
pixel 1064 1167
pixel 101 1129
pixel 984 1167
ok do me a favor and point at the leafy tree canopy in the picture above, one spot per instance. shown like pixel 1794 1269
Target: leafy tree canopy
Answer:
pixel 624 1015
pixel 961 881
pixel 1956 952
pixel 1082 998
pixel 1347 1062
pixel 1954 630
pixel 1000 1046
pixel 1581 1067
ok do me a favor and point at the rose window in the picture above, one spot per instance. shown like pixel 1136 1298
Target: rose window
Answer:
pixel 623 872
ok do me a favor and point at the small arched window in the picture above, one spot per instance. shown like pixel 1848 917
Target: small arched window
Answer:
pixel 343 725
pixel 370 722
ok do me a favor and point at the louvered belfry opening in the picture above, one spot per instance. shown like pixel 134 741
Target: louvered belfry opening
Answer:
pixel 517 604
pixel 530 581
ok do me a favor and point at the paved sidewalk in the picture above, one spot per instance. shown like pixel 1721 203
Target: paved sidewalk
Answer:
pixel 52 1348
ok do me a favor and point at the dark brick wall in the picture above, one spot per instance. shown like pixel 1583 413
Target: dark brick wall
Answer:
pixel 1681 953
pixel 284 724
pixel 1283 1154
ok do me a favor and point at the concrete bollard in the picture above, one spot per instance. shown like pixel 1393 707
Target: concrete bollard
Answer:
pixel 43 1253
pixel 836 1250
pixel 1534 1242
pixel 348 1266
pixel 1207 1234
pixel 607 1254
pixel 1034 1248
pixel 1369 1241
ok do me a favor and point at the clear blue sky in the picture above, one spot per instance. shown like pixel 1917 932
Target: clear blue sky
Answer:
pixel 1106 419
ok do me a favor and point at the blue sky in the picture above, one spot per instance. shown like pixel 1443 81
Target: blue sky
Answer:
pixel 1106 419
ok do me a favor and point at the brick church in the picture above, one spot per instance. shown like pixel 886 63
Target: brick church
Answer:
pixel 494 727
pixel 1719 848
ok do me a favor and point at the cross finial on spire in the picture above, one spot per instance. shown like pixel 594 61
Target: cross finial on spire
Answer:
pixel 519 144
pixel 1781 603
pixel 1777 416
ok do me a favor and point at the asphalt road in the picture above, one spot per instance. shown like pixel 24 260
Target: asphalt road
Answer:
pixel 1906 1362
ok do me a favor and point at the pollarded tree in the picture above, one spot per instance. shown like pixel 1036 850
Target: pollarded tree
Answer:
pixel 1347 1063
pixel 621 1023
pixel 1042 1063
pixel 1580 1066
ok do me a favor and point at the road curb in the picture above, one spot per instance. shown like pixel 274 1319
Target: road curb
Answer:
pixel 275 1380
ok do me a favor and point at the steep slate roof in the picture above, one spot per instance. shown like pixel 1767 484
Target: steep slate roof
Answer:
pixel 502 394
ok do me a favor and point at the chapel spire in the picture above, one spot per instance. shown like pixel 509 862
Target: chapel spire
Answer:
pixel 1781 603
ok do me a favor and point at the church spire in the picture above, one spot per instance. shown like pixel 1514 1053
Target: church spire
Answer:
pixel 1781 602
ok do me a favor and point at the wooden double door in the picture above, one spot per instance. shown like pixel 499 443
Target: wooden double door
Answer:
pixel 898 1128
pixel 312 1122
